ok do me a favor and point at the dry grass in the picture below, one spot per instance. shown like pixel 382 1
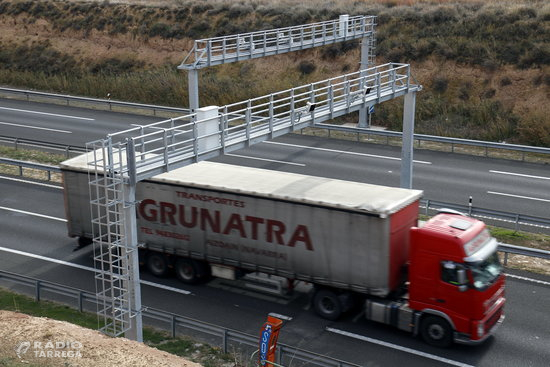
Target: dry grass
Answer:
pixel 494 102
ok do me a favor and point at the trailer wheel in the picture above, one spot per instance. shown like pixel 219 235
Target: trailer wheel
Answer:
pixel 327 304
pixel 157 264
pixel 83 242
pixel 436 331
pixel 191 271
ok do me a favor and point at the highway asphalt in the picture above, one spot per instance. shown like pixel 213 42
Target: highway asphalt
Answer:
pixel 493 183
pixel 522 339
pixel 498 184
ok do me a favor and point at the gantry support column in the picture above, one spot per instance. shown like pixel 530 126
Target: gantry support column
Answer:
pixel 408 139
pixel 131 248
pixel 365 50
pixel 193 87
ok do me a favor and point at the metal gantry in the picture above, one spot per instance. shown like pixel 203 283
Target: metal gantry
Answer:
pixel 246 46
pixel 118 162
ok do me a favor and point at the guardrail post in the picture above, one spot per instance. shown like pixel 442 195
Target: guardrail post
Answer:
pixel 49 175
pixel 37 291
pixel 80 301
pixel 15 143
pixel 21 171
pixel 279 355
pixel 173 326
pixel 517 223
pixel 224 341
pixel 505 259
pixel 67 148
pixel 427 206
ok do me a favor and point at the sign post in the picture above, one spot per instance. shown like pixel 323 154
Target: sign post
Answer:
pixel 268 340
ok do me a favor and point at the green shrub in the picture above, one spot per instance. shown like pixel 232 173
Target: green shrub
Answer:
pixel 306 67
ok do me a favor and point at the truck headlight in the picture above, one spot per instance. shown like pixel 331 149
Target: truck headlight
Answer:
pixel 480 329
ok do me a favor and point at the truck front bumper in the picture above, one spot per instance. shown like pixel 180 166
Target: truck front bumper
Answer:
pixel 461 338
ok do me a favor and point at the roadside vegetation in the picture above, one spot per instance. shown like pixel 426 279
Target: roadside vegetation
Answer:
pixel 485 65
pixel 182 346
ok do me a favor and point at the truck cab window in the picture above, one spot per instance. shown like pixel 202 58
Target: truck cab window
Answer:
pixel 449 272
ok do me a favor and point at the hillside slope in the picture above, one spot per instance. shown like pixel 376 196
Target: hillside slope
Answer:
pixel 485 65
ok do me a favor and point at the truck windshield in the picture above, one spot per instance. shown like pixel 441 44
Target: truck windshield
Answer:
pixel 485 272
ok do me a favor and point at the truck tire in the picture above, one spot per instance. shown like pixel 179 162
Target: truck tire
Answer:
pixel 327 304
pixel 188 271
pixel 436 331
pixel 157 264
pixel 84 241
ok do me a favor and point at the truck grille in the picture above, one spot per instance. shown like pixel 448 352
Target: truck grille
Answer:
pixel 493 320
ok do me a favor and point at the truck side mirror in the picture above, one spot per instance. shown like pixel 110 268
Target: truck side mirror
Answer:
pixel 462 280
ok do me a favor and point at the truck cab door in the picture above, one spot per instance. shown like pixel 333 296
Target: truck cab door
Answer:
pixel 452 291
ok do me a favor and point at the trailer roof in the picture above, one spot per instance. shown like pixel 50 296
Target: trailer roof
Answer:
pixel 348 195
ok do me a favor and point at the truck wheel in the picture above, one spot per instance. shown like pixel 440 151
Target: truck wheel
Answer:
pixel 187 270
pixel 436 331
pixel 157 264
pixel 327 305
pixel 84 241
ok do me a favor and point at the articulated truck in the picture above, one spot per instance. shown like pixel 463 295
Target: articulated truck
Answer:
pixel 353 242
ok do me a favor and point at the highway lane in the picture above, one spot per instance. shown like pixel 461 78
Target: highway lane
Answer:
pixel 493 183
pixel 62 124
pixel 443 176
pixel 522 340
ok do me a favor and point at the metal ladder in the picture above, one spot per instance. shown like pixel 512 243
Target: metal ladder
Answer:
pixel 111 253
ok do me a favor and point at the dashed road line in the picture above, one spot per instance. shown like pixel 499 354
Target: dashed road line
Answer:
pixel 47 113
pixel 36 127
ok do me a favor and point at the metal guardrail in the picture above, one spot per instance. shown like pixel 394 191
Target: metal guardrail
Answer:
pixel 517 219
pixel 429 206
pixel 525 251
pixel 19 142
pixel 227 337
pixel 31 165
pixel 439 139
pixel 96 101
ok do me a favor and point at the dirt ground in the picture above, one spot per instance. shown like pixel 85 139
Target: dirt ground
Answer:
pixel 36 341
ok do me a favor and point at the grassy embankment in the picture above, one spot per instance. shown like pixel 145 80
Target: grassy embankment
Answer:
pixel 181 346
pixel 484 65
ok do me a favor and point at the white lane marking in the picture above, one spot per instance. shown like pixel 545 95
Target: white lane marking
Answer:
pixel 266 160
pixel 398 347
pixel 36 127
pixel 279 316
pixel 83 267
pixel 342 152
pixel 31 182
pixel 33 214
pixel 48 114
pixel 517 196
pixel 528 279
pixel 519 174
pixel 162 286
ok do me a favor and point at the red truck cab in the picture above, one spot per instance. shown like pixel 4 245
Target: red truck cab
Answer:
pixel 456 283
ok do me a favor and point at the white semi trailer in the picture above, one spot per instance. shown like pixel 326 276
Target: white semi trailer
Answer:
pixel 346 238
